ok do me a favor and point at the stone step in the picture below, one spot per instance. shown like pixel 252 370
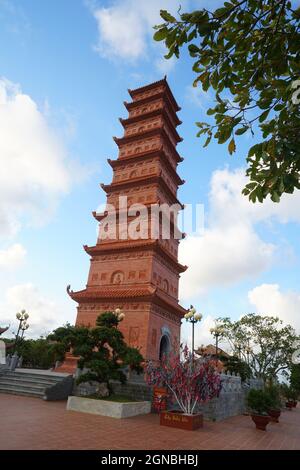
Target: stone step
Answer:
pixel 42 380
pixel 41 384
pixel 23 383
pixel 29 391
pixel 42 374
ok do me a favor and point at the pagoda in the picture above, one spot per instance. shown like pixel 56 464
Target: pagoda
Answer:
pixel 141 275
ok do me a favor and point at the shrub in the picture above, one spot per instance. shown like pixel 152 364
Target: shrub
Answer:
pixel 273 393
pixel 259 401
pixel 190 382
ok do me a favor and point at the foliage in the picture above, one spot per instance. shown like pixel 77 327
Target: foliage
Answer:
pixel 115 398
pixel 102 350
pixel 236 365
pixel 262 342
pixel 189 381
pixel 295 377
pixel 289 393
pixel 248 53
pixel 273 393
pixel 39 353
pixel 259 401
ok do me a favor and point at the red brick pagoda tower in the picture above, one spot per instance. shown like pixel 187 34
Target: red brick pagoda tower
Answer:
pixel 140 276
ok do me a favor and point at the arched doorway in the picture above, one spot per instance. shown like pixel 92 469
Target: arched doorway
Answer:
pixel 164 347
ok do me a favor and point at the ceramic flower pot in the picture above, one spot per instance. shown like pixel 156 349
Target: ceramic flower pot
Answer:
pixel 177 419
pixel 274 415
pixel 261 421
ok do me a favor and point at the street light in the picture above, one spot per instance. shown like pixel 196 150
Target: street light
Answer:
pixel 119 314
pixel 193 317
pixel 22 317
pixel 217 332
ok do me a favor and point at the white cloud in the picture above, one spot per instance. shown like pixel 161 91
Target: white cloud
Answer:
pixel 125 29
pixel 34 166
pixel 44 314
pixel 222 257
pixel 12 257
pixel 228 205
pixel 268 299
pixel 197 96
pixel 230 249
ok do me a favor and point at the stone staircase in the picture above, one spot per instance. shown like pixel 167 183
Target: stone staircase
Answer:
pixel 43 384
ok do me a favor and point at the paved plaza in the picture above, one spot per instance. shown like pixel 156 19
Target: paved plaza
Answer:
pixel 31 423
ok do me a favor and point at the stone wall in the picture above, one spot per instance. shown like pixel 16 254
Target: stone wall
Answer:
pixel 232 399
pixel 231 402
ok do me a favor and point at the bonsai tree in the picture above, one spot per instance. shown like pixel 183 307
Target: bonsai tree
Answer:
pixel 102 349
pixel 259 402
pixel 190 381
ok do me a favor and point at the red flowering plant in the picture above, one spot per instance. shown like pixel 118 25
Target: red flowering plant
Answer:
pixel 190 381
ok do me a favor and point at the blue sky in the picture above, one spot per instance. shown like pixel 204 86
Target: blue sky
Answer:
pixel 65 67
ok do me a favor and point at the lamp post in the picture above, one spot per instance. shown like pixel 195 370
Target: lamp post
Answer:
pixel 22 317
pixel 217 331
pixel 193 317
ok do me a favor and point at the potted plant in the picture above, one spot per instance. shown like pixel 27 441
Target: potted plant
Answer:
pixel 275 402
pixel 259 404
pixel 290 396
pixel 190 382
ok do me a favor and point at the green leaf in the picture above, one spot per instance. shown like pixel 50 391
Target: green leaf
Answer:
pixel 264 115
pixel 207 140
pixel 231 146
pixel 167 16
pixel 193 49
pixel 241 130
pixel 160 34
pixel 275 197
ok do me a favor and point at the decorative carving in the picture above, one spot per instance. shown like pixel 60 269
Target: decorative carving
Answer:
pixel 117 277
pixel 134 334
pixel 154 337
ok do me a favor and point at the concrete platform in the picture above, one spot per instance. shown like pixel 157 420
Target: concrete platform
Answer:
pixel 108 408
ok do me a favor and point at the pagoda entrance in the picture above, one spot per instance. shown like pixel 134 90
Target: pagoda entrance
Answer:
pixel 164 347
